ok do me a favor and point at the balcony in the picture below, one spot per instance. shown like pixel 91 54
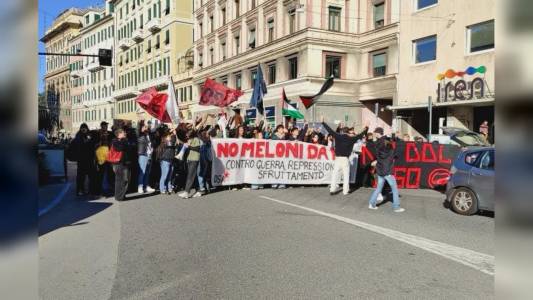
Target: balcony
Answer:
pixel 138 35
pixel 76 73
pixel 154 25
pixel 158 83
pixel 124 44
pixel 94 66
pixel 125 93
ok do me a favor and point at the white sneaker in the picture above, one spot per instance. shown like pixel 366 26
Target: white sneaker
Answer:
pixel 197 194
pixel 183 195
pixel 399 209
pixel 372 207
pixel 140 190
pixel 380 198
pixel 150 190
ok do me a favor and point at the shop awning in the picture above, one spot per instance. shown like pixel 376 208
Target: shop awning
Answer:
pixel 477 102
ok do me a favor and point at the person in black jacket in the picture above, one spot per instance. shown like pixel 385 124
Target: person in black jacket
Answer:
pixel 83 148
pixel 166 152
pixel 385 155
pixel 122 168
pixel 343 149
pixel 144 151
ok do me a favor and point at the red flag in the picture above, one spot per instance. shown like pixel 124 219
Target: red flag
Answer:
pixel 154 103
pixel 217 94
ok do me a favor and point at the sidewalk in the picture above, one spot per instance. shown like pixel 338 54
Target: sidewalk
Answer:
pixel 50 195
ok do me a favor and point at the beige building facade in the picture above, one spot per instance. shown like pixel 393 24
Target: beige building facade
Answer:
pixel 57 77
pixel 150 36
pixel 93 84
pixel 446 53
pixel 298 46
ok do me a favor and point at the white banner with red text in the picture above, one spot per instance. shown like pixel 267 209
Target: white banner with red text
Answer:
pixel 254 161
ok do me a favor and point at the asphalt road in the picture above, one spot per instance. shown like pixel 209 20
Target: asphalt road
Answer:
pixel 298 243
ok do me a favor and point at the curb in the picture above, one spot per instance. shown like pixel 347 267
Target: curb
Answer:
pixel 56 200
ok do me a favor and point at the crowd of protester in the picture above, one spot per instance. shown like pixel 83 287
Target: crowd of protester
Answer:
pixel 178 159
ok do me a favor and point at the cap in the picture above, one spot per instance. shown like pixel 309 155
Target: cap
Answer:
pixel 378 130
pixel 104 123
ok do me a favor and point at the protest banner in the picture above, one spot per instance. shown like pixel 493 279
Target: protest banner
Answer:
pixel 419 165
pixel 253 161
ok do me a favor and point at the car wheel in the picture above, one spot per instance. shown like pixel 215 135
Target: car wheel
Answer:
pixel 464 202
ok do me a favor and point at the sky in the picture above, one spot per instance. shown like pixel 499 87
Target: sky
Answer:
pixel 48 10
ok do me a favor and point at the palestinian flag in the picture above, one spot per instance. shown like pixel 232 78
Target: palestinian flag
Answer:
pixel 309 101
pixel 289 110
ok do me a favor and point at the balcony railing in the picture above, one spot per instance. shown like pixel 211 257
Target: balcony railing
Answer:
pixel 380 71
pixel 94 66
pixel 76 73
pixel 154 25
pixel 124 43
pixel 127 92
pixel 138 35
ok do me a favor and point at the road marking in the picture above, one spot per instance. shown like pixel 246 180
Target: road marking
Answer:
pixel 479 261
pixel 56 200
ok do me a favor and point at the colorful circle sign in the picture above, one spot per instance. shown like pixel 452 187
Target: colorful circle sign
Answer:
pixel 469 71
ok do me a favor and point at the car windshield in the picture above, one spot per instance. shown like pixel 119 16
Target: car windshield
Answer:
pixel 470 139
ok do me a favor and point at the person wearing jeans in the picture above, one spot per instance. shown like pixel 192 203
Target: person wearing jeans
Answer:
pixel 166 153
pixel 385 155
pixel 144 150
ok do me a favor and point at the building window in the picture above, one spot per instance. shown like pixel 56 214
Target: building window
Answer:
pixel 211 24
pixel 379 15
pixel 237 8
pixel 379 64
pixel 224 80
pixel 253 4
pixel 333 66
pixel 200 29
pixel 292 21
pixel 167 37
pixel 293 67
pixel 253 76
pixel 149 47
pixel 211 56
pixel 270 28
pixel 223 14
pixel 223 50
pixel 237 44
pixel 480 36
pixel 238 82
pixel 425 3
pixel 334 18
pixel 251 38
pixel 157 42
pixel 167 9
pixel 200 60
pixel 271 73
pixel 425 49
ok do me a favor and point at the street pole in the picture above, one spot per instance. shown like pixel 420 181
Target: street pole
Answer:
pixel 430 109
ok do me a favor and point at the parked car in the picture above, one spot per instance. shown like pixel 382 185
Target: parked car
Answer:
pixel 459 136
pixel 470 187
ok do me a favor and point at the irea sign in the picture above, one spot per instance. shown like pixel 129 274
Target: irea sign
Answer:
pixel 461 89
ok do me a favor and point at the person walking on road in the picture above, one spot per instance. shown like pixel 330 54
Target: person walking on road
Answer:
pixel 166 153
pixel 385 154
pixel 122 167
pixel 343 149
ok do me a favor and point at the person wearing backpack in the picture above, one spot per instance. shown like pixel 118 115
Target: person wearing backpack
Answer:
pixel 119 157
pixel 81 150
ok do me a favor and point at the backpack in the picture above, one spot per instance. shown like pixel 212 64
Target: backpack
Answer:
pixel 114 156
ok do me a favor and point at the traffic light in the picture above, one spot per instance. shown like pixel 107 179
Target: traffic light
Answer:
pixel 105 57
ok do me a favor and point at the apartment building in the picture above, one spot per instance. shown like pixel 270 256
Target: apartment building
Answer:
pixel 93 84
pixel 446 53
pixel 57 76
pixel 298 46
pixel 150 37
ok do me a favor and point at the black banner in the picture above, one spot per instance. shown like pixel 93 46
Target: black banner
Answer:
pixel 418 165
